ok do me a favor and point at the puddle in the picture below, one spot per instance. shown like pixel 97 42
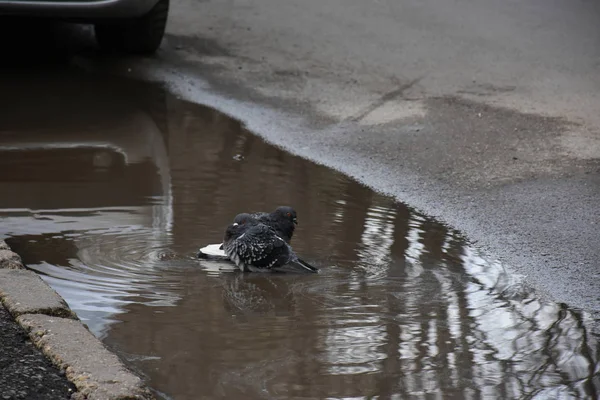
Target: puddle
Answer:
pixel 109 187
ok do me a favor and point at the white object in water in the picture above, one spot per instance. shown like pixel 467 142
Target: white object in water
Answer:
pixel 212 251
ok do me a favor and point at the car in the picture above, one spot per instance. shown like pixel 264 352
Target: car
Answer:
pixel 130 26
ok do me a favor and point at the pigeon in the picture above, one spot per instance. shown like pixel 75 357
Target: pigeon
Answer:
pixel 256 247
pixel 283 221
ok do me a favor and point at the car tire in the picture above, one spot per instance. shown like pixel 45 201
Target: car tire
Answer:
pixel 141 35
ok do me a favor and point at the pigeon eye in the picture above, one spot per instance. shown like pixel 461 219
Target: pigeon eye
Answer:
pixel 289 215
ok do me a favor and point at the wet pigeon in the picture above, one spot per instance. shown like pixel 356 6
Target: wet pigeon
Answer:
pixel 255 247
pixel 283 221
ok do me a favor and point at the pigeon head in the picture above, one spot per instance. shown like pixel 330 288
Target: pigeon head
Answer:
pixel 245 218
pixel 287 213
pixel 233 231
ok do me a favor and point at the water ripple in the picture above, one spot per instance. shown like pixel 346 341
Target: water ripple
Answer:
pixel 113 268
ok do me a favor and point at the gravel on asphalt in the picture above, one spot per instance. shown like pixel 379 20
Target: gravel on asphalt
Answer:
pixel 24 371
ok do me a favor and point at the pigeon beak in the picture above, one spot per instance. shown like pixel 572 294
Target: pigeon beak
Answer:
pixel 295 221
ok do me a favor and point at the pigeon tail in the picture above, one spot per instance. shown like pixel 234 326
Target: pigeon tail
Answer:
pixel 213 251
pixel 304 265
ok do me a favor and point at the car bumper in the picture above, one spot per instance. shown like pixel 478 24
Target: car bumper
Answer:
pixel 82 10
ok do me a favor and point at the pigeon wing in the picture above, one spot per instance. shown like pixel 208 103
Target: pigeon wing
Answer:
pixel 260 247
pixel 280 227
pixel 260 216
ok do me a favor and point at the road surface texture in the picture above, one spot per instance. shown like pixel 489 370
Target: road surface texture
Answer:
pixel 24 371
pixel 483 114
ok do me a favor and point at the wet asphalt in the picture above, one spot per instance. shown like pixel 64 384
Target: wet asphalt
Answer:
pixel 24 371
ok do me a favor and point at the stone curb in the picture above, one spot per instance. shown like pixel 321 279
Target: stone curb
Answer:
pixel 9 259
pixel 52 326
pixel 24 292
pixel 97 373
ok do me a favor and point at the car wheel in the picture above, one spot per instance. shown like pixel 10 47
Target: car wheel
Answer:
pixel 141 35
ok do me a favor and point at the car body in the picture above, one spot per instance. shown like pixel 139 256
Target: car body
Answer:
pixel 83 10
pixel 131 26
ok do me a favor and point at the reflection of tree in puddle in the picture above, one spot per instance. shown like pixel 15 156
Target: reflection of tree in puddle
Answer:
pixel 450 323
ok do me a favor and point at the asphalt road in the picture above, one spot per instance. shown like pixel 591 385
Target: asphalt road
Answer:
pixel 24 372
pixel 484 114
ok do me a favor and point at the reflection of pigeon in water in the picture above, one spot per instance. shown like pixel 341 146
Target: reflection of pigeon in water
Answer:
pixel 251 293
pixel 283 221
pixel 254 246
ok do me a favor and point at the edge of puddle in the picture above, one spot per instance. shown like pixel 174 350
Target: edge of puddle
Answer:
pixel 96 371
pixel 186 84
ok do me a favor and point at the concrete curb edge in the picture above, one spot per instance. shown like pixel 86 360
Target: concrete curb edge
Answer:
pixel 96 372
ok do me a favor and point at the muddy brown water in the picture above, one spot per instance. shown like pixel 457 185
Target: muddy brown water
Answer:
pixel 108 187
